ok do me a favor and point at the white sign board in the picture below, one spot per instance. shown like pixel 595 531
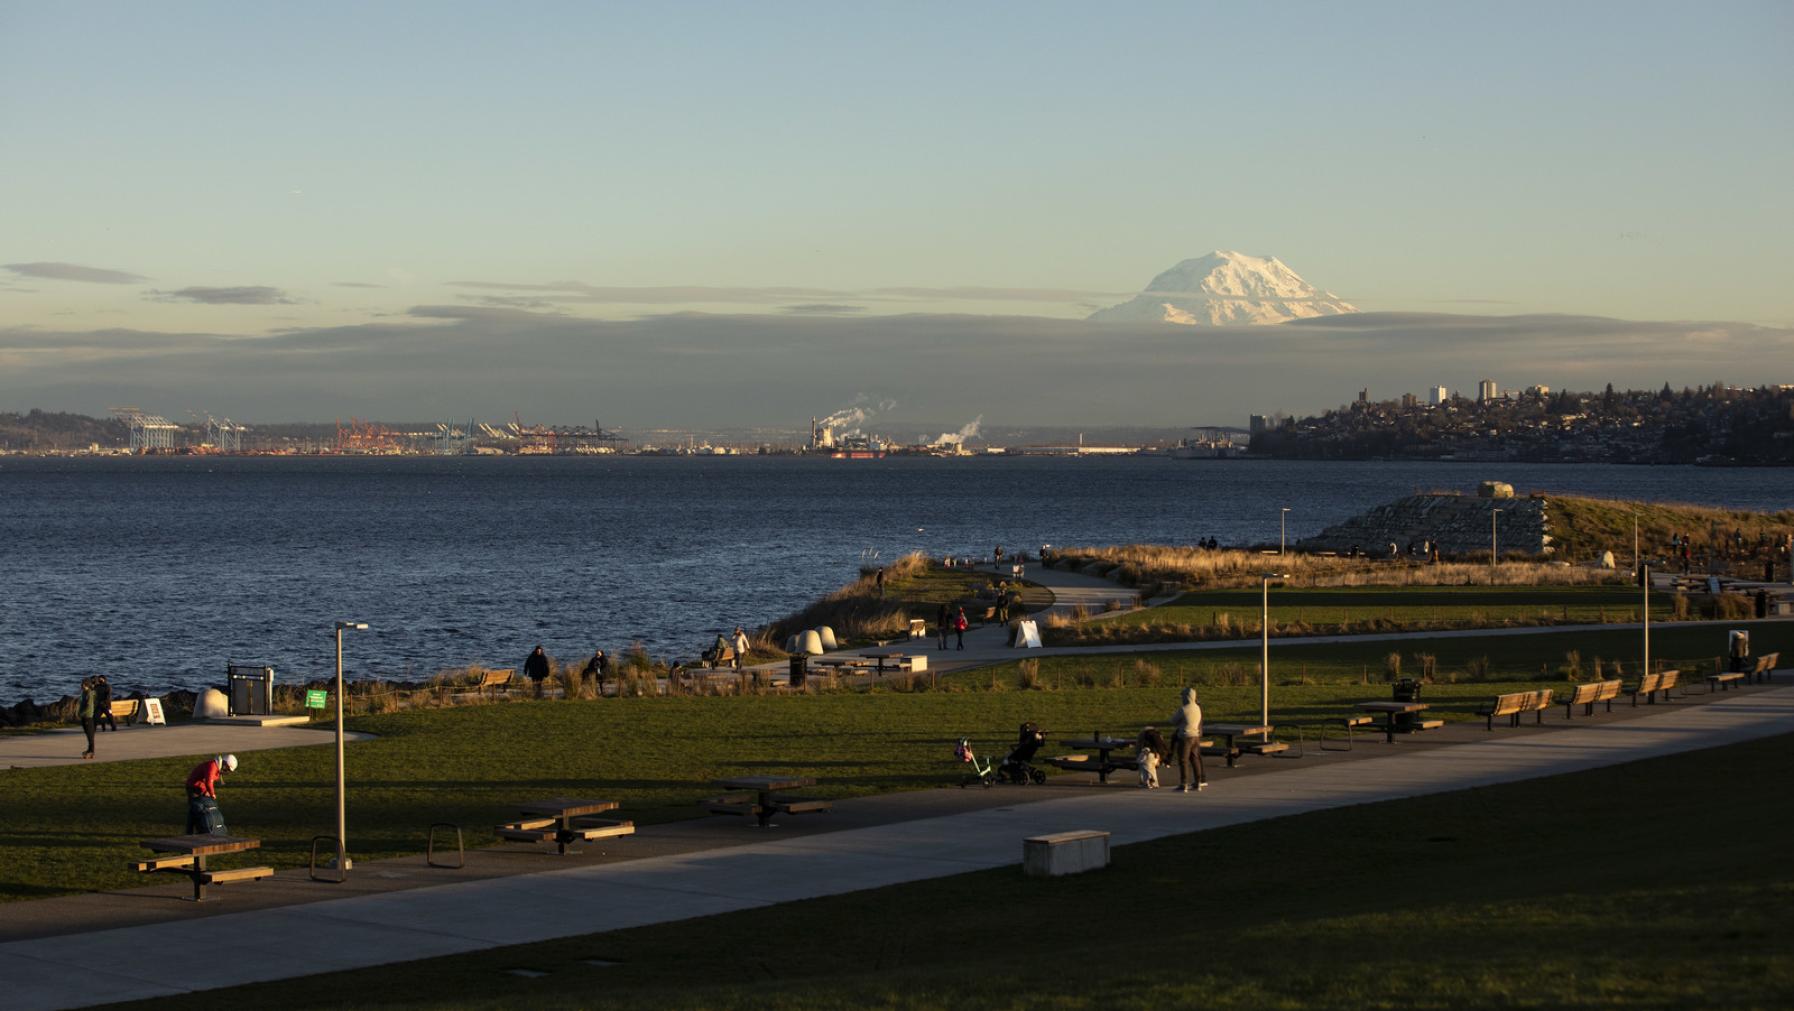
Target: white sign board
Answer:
pixel 152 712
pixel 1027 634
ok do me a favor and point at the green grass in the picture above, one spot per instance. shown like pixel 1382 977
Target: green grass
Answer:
pixel 1584 527
pixel 71 828
pixel 1219 614
pixel 1659 884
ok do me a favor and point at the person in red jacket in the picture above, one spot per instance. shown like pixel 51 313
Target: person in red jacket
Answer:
pixel 203 782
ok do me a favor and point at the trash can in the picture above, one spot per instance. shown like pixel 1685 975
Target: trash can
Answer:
pixel 251 690
pixel 1407 690
pixel 1738 648
pixel 800 670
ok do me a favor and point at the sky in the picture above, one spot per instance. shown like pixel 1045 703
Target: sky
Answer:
pixel 182 176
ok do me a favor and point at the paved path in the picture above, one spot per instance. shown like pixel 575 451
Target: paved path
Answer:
pixel 64 747
pixel 135 962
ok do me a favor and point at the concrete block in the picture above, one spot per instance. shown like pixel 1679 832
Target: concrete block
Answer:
pixel 1049 856
pixel 211 705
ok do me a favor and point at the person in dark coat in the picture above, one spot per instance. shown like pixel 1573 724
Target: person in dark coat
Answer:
pixel 89 699
pixel 102 705
pixel 536 667
pixel 597 668
pixel 944 622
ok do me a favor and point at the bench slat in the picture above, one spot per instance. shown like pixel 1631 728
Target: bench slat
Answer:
pixel 521 835
pixel 235 874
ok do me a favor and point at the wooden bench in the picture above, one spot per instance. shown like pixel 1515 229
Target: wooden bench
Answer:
pixel 528 830
pixel 1653 685
pixel 1588 695
pixel 236 874
pixel 496 680
pixel 1724 681
pixel 1512 705
pixel 125 710
pixel 1764 665
pixel 747 802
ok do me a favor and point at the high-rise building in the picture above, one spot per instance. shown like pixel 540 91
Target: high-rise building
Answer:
pixel 1487 390
pixel 1440 395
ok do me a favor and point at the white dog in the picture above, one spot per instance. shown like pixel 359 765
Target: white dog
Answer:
pixel 1149 769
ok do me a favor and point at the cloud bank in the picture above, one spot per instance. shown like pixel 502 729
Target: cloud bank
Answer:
pixel 74 272
pixel 780 369
pixel 242 295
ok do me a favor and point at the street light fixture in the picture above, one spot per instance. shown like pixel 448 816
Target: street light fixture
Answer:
pixel 1264 669
pixel 1282 528
pixel 1644 578
pixel 342 845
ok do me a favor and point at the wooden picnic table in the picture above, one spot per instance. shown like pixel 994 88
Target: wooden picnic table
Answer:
pixel 766 801
pixel 1397 716
pixel 1230 732
pixel 1102 746
pixel 190 853
pixel 563 810
pixel 879 656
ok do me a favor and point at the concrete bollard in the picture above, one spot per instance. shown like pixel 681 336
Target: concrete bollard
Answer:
pixel 811 644
pixel 827 635
pixel 211 705
pixel 1050 856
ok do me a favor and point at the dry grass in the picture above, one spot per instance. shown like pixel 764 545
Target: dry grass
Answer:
pixel 1157 568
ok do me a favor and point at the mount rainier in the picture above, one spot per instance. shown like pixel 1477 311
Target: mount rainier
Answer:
pixel 1226 288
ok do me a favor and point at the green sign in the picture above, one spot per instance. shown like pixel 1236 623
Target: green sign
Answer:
pixel 316 698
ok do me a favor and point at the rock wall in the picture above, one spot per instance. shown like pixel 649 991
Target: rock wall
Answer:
pixel 1458 524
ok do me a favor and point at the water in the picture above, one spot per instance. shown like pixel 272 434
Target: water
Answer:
pixel 158 571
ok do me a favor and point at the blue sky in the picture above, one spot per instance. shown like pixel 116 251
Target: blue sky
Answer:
pixel 256 168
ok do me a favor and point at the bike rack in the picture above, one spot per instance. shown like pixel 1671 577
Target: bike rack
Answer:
pixel 311 867
pixel 430 847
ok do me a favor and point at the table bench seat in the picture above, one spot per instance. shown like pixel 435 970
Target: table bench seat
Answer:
pixel 1425 724
pixel 801 805
pixel 1724 682
pixel 525 834
pixel 159 864
pixel 593 829
pixel 1264 747
pixel 236 874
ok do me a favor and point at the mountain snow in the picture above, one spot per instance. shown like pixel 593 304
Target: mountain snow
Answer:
pixel 1226 288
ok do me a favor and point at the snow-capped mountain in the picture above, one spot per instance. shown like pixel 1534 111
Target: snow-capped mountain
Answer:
pixel 1226 288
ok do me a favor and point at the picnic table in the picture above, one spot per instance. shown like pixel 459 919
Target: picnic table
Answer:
pixel 1102 746
pixel 1233 734
pixel 565 820
pixel 189 859
pixel 897 658
pixel 758 796
pixel 1398 717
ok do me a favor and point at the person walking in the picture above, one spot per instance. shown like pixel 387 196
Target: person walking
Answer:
pixel 717 649
pixel 943 621
pixel 536 667
pixel 880 580
pixel 596 668
pixel 202 792
pixel 741 643
pixel 1187 743
pixel 1003 601
pixel 102 704
pixel 959 626
pixel 86 708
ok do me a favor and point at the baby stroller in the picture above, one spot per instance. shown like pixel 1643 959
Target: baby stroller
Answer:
pixel 1015 767
pixel 978 770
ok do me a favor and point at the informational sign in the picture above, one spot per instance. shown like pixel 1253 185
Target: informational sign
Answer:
pixel 1027 634
pixel 316 698
pixel 152 712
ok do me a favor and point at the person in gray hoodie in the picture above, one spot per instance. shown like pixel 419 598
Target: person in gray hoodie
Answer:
pixel 1187 744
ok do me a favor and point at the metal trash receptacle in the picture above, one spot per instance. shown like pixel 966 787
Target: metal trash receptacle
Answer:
pixel 800 670
pixel 1737 648
pixel 251 690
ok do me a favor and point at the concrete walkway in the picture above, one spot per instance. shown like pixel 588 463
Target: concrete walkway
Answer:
pixel 107 965
pixel 64 747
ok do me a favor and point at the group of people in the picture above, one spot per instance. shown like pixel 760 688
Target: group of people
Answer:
pixel 1185 747
pixel 95 709
pixel 951 618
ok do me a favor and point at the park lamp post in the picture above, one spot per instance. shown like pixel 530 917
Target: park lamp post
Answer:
pixel 1264 628
pixel 1493 514
pixel 1282 529
pixel 342 845
pixel 1644 574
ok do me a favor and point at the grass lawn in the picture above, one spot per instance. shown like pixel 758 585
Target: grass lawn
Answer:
pixel 1302 610
pixel 1597 889
pixel 71 828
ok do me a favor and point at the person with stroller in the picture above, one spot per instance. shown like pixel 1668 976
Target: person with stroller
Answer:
pixel 1187 744
pixel 203 816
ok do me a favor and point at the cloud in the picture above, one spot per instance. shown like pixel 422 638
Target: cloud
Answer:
pixel 516 302
pixel 355 284
pixel 579 292
pixel 821 309
pixel 688 369
pixel 971 294
pixel 74 272
pixel 241 295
